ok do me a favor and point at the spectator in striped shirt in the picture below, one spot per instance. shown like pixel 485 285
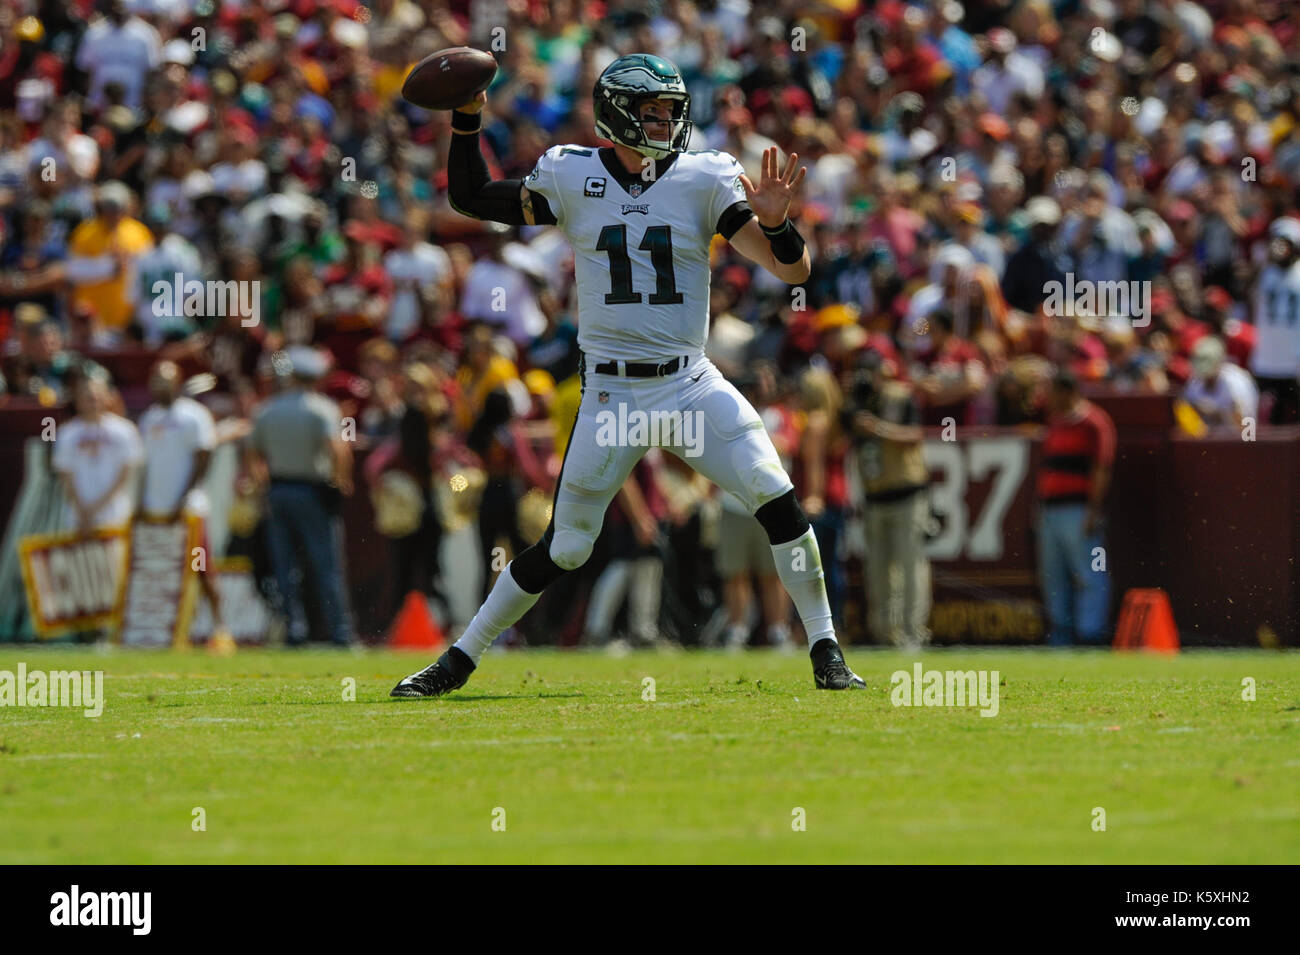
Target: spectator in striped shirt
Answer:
pixel 1078 454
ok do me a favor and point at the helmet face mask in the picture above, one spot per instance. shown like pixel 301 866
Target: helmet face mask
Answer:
pixel 621 90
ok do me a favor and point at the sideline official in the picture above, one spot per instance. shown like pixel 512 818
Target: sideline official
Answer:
pixel 299 440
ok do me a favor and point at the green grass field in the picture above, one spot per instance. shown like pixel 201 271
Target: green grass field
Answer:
pixel 286 770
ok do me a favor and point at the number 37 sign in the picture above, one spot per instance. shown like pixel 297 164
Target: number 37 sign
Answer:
pixel 985 580
pixel 975 518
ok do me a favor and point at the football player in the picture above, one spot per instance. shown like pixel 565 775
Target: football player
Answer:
pixel 640 216
pixel 1275 361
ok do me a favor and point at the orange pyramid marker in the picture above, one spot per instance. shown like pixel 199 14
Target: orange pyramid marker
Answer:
pixel 1146 621
pixel 414 627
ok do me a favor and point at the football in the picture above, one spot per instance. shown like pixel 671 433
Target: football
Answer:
pixel 449 78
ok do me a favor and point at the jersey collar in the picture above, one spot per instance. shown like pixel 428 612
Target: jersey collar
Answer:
pixel 629 179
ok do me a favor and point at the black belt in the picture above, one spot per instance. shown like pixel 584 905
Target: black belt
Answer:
pixel 640 369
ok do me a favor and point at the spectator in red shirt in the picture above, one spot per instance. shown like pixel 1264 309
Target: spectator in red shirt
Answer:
pixel 358 291
pixel 950 373
pixel 1218 312
pixel 1078 454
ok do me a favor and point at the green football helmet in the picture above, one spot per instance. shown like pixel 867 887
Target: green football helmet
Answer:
pixel 620 89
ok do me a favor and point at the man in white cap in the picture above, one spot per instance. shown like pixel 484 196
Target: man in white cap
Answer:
pixel 1221 392
pixel 298 440
pixel 1039 261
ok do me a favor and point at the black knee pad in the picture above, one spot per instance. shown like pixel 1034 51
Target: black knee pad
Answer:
pixel 533 570
pixel 783 519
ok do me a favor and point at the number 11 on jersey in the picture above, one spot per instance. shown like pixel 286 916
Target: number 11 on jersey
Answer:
pixel 658 241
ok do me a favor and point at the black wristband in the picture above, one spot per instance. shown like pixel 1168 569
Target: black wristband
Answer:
pixel 787 244
pixel 466 122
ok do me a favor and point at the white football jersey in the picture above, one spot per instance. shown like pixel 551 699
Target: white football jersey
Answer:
pixel 1277 322
pixel 640 247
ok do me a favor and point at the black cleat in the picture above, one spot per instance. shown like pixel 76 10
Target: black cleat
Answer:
pixel 830 672
pixel 450 672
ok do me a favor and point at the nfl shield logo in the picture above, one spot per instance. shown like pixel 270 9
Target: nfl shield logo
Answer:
pixel 634 190
pixel 603 397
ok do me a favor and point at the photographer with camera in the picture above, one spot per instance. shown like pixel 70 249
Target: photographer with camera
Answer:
pixel 884 419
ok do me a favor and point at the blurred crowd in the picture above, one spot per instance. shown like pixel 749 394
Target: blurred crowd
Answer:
pixel 961 157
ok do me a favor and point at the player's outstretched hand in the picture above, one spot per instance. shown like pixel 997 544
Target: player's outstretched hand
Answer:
pixel 474 105
pixel 771 199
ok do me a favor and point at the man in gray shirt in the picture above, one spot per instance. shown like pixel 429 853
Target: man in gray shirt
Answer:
pixel 298 439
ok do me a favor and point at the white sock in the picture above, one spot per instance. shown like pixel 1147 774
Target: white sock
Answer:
pixel 778 634
pixel 506 603
pixel 799 563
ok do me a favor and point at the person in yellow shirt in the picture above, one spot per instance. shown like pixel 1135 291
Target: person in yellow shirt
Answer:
pixel 482 372
pixel 102 252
